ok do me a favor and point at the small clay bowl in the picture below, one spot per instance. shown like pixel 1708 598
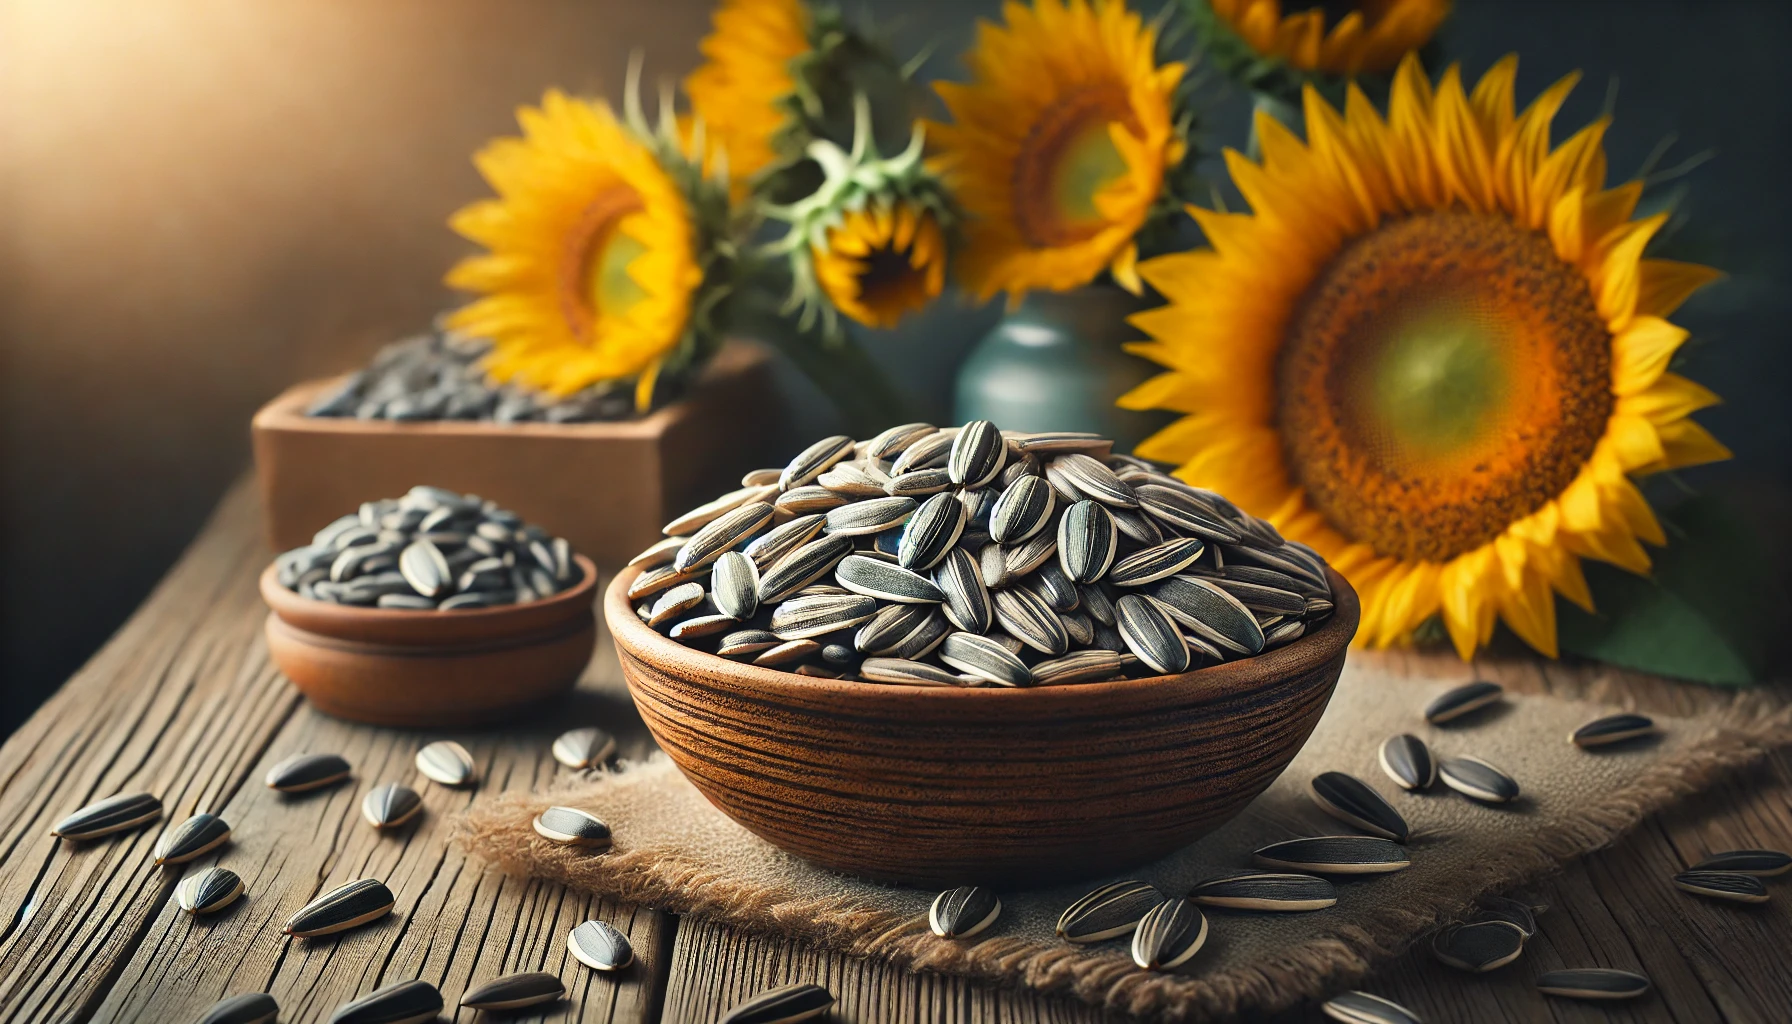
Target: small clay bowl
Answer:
pixel 425 668
pixel 943 786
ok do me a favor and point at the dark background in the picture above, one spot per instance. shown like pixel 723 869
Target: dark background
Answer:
pixel 202 201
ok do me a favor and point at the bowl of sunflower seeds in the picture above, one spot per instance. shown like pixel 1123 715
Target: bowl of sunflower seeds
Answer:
pixel 950 654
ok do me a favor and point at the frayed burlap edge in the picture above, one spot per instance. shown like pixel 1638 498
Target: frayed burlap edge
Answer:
pixel 499 831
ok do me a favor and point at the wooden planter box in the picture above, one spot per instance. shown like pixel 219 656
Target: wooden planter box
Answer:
pixel 606 487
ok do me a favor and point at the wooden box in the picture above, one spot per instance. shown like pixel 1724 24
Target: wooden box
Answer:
pixel 606 487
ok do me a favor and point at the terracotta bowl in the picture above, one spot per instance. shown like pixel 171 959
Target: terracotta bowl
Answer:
pixel 1012 787
pixel 428 669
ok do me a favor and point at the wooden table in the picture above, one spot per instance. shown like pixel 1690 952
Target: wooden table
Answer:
pixel 183 703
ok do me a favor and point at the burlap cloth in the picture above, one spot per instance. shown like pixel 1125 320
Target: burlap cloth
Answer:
pixel 674 851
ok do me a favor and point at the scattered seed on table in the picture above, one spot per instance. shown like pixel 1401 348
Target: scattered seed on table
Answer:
pixel 342 908
pixel 1350 800
pixel 1761 863
pixel 585 748
pixel 515 991
pixel 408 1002
pixel 1478 780
pixel 1612 729
pixel 1730 886
pixel 573 827
pixel 208 891
pixel 1594 983
pixel 113 814
pixel 248 1008
pixel 790 1004
pixel 1514 912
pixel 448 763
pixel 1480 947
pixel 191 839
pixel 1407 761
pixel 963 912
pixel 1263 890
pixel 1463 700
pixel 599 946
pixel 390 805
pixel 1169 936
pixel 1335 855
pixel 1108 912
pixel 304 772
pixel 1363 1008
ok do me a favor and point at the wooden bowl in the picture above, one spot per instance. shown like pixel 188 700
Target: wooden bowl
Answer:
pixel 941 786
pixel 428 669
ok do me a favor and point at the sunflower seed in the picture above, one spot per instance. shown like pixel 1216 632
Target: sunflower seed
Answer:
pixel 1462 700
pixel 1262 890
pixel 1211 612
pixel 893 441
pixel 790 1004
pixel 703 625
pixel 967 601
pixel 802 567
pixel 1109 912
pixel 767 548
pixel 1088 477
pixel 1078 667
pixel 787 653
pixel 928 452
pixel 1762 863
pixel 584 748
pixel 906 673
pixel 978 506
pixel 1407 761
pixel 1169 936
pixel 977 455
pixel 815 460
pixel 655 580
pixel 342 908
pixel 193 838
pixel 1185 514
pixel 1079 627
pixel 1597 983
pixel 710 511
pixel 515 991
pixel 801 618
pixel 1363 1008
pixel 874 516
pixel 885 630
pixel 408 602
pixel 1030 555
pixel 1612 729
pixel 570 826
pixel 727 531
pixel 760 477
pixel 1156 563
pixel 1335 855
pixel 1513 912
pixel 931 532
pixel 600 946
pixel 926 636
pixel 425 568
pixel 851 479
pixel 248 1008
pixel 1050 585
pixel 1028 618
pixel 963 912
pixel 390 805
pixel 208 891
pixel 918 483
pixel 113 814
pixel 1475 778
pixel 1064 441
pixel 1022 510
pixel 1094 599
pixel 1259 598
pixel 983 657
pixel 818 672
pixel 1731 886
pixel 408 1002
pixel 1149 633
pixel 799 501
pixel 1478 948
pixel 1136 526
pixel 734 585
pixel 883 581
pixel 1351 801
pixel 307 771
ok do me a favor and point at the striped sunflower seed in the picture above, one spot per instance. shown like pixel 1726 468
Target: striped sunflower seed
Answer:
pixel 1334 855
pixel 884 581
pixel 851 479
pixel 1149 633
pixel 977 455
pixel 874 516
pixel 113 814
pixel 303 772
pixel 790 1004
pixel 1210 612
pixel 1762 863
pixel 931 532
pixel 1060 441
pixel 407 1002
pixel 768 547
pixel 1079 627
pixel 1177 509
pixel 699 626
pixel 585 748
pixel 1111 911
pixel 1478 780
pixel 787 653
pixel 1462 700
pixel 390 805
pixel 734 585
pixel 208 891
pixel 1094 599
pixel 248 1008
pixel 1169 936
pixel 674 603
pixel 1407 761
pixel 892 442
pixel 708 512
pixel 1517 914
pixel 802 567
pixel 660 553
pixel 883 631
pixel 570 826
pixel 1051 585
pixel 903 672
pixel 928 635
pixel 801 618
pixel 1478 948
pixel 744 642
pixel 930 452
pixel 1729 886
pixel 963 912
pixel 1259 598
pixel 983 657
pixel 600 946
pixel 1136 526
pixel 1031 621
pixel 1266 890
pixel 1078 667
pixel 813 499
pixel 1020 466
pixel 653 581
pixel 992 565
pixel 1603 732
pixel 978 506
pixel 1351 801
pixel 515 991
pixel 191 839
pixel 1156 563
pixel 919 483
pixel 1594 983
pixel 1030 555
pixel 1022 510
pixel 342 908
pixel 425 568
pixel 815 460
pixel 1090 478
pixel 967 601
pixel 728 530
pixel 1363 1008
pixel 760 477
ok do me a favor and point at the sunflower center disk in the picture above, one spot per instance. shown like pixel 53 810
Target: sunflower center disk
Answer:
pixel 1445 375
pixel 1065 163
pixel 599 283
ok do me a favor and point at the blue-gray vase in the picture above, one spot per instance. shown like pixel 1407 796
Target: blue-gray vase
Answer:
pixel 1055 363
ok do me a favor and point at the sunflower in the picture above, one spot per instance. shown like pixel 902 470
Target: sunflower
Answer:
pixel 1434 351
pixel 1371 36
pixel 742 90
pixel 1060 146
pixel 594 256
pixel 882 262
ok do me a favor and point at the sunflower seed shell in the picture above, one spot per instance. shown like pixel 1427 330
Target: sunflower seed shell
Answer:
pixel 1169 936
pixel 1462 700
pixel 1593 983
pixel 815 460
pixel 1603 732
pixel 1407 760
pixel 734 585
pixel 515 991
pixel 1270 891
pixel 408 1002
pixel 1108 912
pixel 193 838
pixel 790 1004
pixel 113 814
pixel 306 772
pixel 878 579
pixel 1087 541
pixel 448 763
pixel 1761 863
pixel 1022 511
pixel 1478 948
pixel 983 657
pixel 585 748
pixel 1363 1008
pixel 599 946
pixel 1335 855
pixel 208 891
pixel 390 805
pixel 248 1008
pixel 1729 886
pixel 1350 800
pixel 963 912
pixel 342 908
pixel 930 532
pixel 1478 780
pixel 570 826
pixel 1149 633
pixel 978 453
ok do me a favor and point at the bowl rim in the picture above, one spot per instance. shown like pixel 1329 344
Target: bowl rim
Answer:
pixel 306 613
pixel 634 638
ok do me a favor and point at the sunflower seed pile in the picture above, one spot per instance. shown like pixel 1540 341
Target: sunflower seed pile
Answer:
pixel 971 556
pixel 431 550
pixel 438 376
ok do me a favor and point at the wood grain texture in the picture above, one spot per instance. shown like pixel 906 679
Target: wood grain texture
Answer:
pixel 942 785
